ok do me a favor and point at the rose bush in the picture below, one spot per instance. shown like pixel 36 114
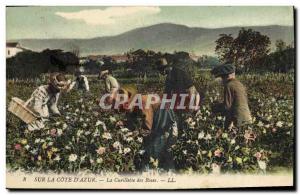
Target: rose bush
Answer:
pixel 86 138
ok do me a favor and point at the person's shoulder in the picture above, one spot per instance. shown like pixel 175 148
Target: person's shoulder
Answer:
pixel 235 84
pixel 41 90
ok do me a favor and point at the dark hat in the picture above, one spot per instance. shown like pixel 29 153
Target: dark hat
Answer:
pixel 223 69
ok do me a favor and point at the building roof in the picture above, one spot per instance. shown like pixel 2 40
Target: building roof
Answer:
pixel 12 44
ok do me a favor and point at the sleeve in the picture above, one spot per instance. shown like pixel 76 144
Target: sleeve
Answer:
pixel 187 79
pixel 168 84
pixel 86 83
pixel 53 105
pixel 72 85
pixel 228 98
pixel 107 85
pixel 193 92
pixel 114 83
pixel 38 97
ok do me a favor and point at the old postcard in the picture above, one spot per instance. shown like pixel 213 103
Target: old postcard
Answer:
pixel 160 97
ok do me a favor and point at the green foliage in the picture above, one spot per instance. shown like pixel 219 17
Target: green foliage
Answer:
pixel 77 141
pixel 29 64
pixel 244 51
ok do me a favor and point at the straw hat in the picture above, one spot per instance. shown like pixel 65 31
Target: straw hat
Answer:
pixel 102 73
pixel 58 81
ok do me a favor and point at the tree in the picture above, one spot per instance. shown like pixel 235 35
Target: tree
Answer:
pixel 280 45
pixel 282 59
pixel 247 50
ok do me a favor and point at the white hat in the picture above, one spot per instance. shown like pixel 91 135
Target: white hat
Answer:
pixel 102 73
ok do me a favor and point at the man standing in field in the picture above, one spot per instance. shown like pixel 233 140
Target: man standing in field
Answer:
pixel 111 84
pixel 235 107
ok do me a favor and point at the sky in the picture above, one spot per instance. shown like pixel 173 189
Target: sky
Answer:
pixel 89 22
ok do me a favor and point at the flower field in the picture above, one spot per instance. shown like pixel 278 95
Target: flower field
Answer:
pixel 86 138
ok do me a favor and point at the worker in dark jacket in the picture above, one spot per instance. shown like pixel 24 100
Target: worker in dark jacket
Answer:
pixel 235 107
pixel 178 81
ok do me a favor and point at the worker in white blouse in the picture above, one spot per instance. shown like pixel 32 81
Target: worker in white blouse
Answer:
pixel 45 98
pixel 111 84
pixel 81 82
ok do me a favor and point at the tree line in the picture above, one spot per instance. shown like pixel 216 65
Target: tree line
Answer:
pixel 249 51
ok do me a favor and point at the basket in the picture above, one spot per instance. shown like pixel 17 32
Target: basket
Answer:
pixel 19 108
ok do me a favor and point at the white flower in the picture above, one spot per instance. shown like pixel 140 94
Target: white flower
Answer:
pixel 50 143
pixel 140 139
pixel 67 106
pixel 224 135
pixel 80 119
pixel 208 137
pixel 175 129
pixel 67 117
pixel 38 140
pixel 99 160
pixel 57 158
pixel 201 135
pixel 116 145
pixel 124 130
pixel 232 141
pixel 87 133
pixel 184 152
pixel 192 125
pixel 262 164
pixel 126 150
pixel 72 157
pixel 260 124
pixel 267 126
pixel 27 147
pixel 79 132
pixel 220 118
pixel 269 117
pixel 59 132
pixel 112 119
pixel 279 124
pixel 84 125
pixel 34 151
pixel 106 135
pixel 82 158
pixel 189 120
pixel 141 152
pixel 129 139
pixel 128 134
pixel 77 110
pixel 64 126
pixel 67 147
pixel 99 123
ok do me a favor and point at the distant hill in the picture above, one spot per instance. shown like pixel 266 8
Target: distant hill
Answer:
pixel 165 37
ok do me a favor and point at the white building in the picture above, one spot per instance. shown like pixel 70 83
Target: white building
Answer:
pixel 12 48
